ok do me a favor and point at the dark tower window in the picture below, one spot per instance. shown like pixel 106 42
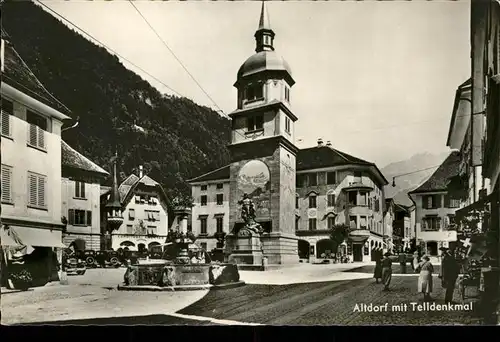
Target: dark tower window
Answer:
pixel 254 92
pixel 287 94
pixel 255 122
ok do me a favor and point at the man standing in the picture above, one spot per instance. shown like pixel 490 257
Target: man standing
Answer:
pixel 402 262
pixel 449 274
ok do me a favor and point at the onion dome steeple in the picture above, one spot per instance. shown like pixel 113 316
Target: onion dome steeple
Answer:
pixel 264 35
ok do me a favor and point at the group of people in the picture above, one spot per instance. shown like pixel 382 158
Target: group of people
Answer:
pixel 450 270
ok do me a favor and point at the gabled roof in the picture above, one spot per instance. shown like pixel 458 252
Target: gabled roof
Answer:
pixel 127 187
pixel 439 180
pixel 73 159
pixel 325 156
pixel 17 74
pixel 307 159
pixel 218 174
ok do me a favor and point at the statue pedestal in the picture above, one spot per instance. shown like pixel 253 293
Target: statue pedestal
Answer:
pixel 244 250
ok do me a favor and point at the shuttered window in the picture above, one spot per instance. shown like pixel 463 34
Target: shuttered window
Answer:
pixel 37 190
pixel 6 121
pixel 36 131
pixel 77 217
pixel 80 189
pixel 36 137
pixel 6 184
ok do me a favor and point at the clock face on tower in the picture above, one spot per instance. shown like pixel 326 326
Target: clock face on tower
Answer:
pixel 254 180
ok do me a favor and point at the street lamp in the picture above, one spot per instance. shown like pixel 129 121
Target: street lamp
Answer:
pixel 114 212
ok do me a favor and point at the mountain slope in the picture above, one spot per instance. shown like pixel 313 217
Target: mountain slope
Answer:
pixel 408 182
pixel 182 139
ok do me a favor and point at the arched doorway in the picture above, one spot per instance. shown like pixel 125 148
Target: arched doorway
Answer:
pixel 127 244
pixel 432 248
pixel 152 244
pixel 325 248
pixel 141 247
pixel 304 249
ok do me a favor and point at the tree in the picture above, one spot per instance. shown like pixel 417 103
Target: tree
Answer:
pixel 338 234
pixel 140 229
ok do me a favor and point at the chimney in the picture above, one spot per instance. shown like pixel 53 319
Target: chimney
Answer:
pixel 320 142
pixel 328 143
pixel 141 172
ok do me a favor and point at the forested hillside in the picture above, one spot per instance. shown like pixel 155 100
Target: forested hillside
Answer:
pixel 182 139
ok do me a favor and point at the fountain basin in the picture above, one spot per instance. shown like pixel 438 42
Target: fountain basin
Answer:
pixel 162 275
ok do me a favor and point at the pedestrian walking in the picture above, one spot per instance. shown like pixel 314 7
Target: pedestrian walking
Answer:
pixel 415 262
pixel 377 274
pixel 449 274
pixel 425 278
pixel 402 262
pixel 386 271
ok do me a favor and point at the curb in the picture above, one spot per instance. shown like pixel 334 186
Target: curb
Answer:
pixel 179 287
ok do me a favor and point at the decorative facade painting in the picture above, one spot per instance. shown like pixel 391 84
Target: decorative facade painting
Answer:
pixel 254 180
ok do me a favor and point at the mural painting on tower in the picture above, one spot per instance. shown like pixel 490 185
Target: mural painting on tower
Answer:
pixel 254 180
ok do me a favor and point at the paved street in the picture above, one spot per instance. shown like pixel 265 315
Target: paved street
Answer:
pixel 92 299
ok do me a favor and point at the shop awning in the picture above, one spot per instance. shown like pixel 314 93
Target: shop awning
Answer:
pixel 478 205
pixel 358 238
pixel 7 238
pixel 38 237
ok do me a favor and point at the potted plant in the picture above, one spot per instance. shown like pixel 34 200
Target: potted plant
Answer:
pixel 22 279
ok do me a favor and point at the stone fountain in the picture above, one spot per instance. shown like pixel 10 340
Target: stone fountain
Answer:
pixel 183 272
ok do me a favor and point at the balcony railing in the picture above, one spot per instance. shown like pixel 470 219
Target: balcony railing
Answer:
pixel 36 137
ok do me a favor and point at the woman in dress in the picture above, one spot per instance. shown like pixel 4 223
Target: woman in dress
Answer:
pixel 425 279
pixel 415 262
pixel 386 271
pixel 377 274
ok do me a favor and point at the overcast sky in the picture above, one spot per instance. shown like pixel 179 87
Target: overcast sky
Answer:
pixel 376 78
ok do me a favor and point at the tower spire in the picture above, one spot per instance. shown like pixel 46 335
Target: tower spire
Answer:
pixel 114 200
pixel 264 35
pixel 264 22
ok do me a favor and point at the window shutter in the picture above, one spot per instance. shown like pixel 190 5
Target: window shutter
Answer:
pixel 32 135
pixel 6 184
pixel 41 191
pixel 89 218
pixel 5 123
pixel 41 137
pixel 71 216
pixel 32 189
pixel 425 202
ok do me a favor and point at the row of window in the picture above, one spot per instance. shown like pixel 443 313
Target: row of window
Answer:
pixel 149 230
pixel 255 91
pixel 219 224
pixel 437 201
pixel 218 186
pixel 37 125
pixel 433 223
pixel 37 188
pixel 219 199
pixel 143 199
pixel 305 180
pixel 354 200
pixel 151 215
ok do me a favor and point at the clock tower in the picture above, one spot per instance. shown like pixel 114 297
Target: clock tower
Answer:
pixel 263 150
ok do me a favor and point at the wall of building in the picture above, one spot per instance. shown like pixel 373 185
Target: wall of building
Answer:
pixel 344 177
pixel 443 236
pixel 23 158
pixel 210 211
pixel 128 229
pixel 91 202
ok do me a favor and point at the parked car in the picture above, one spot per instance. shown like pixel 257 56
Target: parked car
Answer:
pixel 73 264
pixel 107 259
pixel 90 258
